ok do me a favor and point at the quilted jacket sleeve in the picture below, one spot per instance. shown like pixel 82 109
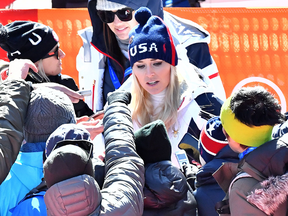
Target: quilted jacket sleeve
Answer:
pixel 122 192
pixel 14 98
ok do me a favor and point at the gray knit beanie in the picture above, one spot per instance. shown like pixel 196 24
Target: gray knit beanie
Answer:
pixel 47 110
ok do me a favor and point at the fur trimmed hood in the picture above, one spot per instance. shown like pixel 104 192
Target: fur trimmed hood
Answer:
pixel 274 192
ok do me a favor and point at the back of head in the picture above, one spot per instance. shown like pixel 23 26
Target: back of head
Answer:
pixel 66 162
pixel 152 142
pixel 47 110
pixel 66 132
pixel 249 114
pixel 212 140
pixel 255 106
pixel 27 40
pixel 68 166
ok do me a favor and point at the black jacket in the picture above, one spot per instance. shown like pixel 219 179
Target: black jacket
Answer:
pixel 81 108
pixel 167 192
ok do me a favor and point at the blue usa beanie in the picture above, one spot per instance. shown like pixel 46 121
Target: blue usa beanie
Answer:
pixel 151 39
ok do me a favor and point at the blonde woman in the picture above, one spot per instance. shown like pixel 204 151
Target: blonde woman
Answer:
pixel 164 87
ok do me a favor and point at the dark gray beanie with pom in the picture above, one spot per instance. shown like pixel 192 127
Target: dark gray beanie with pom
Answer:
pixel 47 110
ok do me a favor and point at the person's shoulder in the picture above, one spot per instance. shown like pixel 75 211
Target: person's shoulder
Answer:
pixel 27 206
pixel 65 76
pixel 189 26
pixel 280 129
pixel 284 138
pixel 69 82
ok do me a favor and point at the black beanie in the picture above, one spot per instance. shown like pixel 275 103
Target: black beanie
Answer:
pixel 66 162
pixel 152 142
pixel 27 40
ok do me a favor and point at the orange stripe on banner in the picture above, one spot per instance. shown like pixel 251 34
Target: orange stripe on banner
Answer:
pixel 213 75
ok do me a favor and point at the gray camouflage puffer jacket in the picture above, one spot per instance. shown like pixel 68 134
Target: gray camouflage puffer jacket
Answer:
pixel 122 191
pixel 14 98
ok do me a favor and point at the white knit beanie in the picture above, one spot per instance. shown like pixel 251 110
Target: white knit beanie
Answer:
pixel 108 5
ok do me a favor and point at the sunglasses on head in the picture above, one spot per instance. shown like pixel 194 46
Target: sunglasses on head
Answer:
pixel 85 145
pixel 124 15
pixel 55 53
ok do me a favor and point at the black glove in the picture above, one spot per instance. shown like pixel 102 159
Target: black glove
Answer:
pixel 119 96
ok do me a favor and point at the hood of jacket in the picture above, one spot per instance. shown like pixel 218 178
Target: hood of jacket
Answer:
pixel 271 160
pixel 274 191
pixel 97 39
pixel 60 201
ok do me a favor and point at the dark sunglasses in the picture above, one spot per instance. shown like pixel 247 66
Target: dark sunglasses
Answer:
pixel 124 15
pixel 85 145
pixel 55 53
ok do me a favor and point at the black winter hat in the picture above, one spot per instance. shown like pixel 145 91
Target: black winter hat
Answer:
pixel 66 162
pixel 66 132
pixel 152 142
pixel 27 40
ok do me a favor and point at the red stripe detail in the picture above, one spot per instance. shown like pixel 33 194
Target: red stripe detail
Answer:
pixel 181 103
pixel 93 94
pixel 171 43
pixel 172 46
pixel 111 58
pixel 4 74
pixel 211 144
pixel 214 75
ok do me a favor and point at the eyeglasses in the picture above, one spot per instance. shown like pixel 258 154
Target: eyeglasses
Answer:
pixel 124 15
pixel 55 53
pixel 85 145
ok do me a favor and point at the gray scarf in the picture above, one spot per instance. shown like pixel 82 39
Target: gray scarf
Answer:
pixel 123 44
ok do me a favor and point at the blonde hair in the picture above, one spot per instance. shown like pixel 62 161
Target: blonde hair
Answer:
pixel 41 71
pixel 142 107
